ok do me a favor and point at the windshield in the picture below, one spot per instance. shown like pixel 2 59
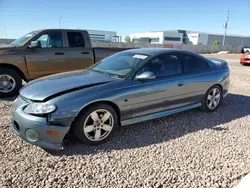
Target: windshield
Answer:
pixel 23 39
pixel 120 64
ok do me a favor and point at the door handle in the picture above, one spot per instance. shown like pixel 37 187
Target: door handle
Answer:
pixel 59 53
pixel 84 52
pixel 180 84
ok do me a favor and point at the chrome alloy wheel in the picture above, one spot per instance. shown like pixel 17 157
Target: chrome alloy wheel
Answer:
pixel 213 98
pixel 98 125
pixel 7 83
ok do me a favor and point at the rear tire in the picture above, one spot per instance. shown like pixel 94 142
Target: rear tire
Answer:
pixel 212 99
pixel 95 124
pixel 10 82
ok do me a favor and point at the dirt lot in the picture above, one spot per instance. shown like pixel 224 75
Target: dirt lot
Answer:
pixel 189 149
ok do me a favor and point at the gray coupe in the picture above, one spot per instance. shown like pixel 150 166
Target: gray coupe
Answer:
pixel 126 88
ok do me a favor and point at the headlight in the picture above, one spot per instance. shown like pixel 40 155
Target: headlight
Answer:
pixel 40 108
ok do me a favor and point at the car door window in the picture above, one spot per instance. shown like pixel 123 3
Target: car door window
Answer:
pixel 51 40
pixel 75 39
pixel 164 66
pixel 192 64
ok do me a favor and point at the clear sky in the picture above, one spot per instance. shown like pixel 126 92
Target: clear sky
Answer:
pixel 124 16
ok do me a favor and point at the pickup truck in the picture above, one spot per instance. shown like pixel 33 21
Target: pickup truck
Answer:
pixel 45 52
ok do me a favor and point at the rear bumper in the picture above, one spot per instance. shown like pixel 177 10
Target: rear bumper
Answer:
pixel 244 61
pixel 21 122
pixel 225 90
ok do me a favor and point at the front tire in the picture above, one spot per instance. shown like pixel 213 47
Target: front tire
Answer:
pixel 212 99
pixel 95 124
pixel 10 82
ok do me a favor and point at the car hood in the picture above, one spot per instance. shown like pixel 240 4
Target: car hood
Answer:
pixel 6 47
pixel 50 86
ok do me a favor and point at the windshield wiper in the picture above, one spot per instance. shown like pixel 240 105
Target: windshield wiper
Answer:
pixel 102 72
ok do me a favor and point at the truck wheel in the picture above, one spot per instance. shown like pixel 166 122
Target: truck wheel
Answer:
pixel 10 82
pixel 95 124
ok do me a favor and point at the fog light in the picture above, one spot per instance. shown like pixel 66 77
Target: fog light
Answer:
pixel 31 135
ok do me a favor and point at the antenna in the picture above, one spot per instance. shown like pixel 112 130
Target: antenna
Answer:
pixel 225 26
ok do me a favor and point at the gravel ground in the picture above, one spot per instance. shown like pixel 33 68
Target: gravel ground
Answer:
pixel 189 149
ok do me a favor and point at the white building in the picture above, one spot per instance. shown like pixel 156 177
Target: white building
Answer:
pixel 161 37
pixel 188 37
pixel 195 38
pixel 105 36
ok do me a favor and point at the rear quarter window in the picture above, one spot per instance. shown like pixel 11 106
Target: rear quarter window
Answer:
pixel 75 39
pixel 193 64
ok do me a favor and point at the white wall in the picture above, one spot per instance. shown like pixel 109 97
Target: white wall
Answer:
pixel 193 38
pixel 203 39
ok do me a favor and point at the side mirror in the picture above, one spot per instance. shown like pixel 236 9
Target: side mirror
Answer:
pixel 35 44
pixel 145 76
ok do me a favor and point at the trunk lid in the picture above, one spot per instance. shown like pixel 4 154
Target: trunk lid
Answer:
pixel 220 63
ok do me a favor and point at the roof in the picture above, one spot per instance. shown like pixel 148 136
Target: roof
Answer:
pixel 61 30
pixel 153 51
pixel 91 31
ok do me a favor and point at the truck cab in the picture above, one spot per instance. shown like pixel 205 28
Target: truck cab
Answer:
pixel 44 52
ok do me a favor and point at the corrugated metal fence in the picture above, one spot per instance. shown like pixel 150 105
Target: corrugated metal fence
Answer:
pixel 193 48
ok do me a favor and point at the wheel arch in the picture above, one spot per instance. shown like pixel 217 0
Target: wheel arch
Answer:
pixel 220 86
pixel 110 103
pixel 15 68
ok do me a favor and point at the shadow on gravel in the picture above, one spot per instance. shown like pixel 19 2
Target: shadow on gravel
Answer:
pixel 8 99
pixel 164 129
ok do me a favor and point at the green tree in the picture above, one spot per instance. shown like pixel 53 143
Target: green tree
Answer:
pixel 216 43
pixel 127 39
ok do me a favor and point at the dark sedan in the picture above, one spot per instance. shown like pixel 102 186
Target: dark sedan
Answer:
pixel 126 88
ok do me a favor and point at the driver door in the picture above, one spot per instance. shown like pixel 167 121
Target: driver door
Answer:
pixel 167 91
pixel 49 58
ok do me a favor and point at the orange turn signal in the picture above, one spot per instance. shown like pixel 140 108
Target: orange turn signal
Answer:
pixel 52 132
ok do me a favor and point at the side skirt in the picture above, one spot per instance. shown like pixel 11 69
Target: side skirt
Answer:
pixel 158 114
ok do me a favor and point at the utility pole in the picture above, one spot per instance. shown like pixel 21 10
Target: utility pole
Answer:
pixel 60 22
pixel 225 26
pixel 242 41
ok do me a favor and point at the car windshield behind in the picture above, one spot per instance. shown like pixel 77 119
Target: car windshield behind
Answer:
pixel 23 39
pixel 120 64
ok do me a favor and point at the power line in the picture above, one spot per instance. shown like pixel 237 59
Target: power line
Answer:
pixel 225 26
